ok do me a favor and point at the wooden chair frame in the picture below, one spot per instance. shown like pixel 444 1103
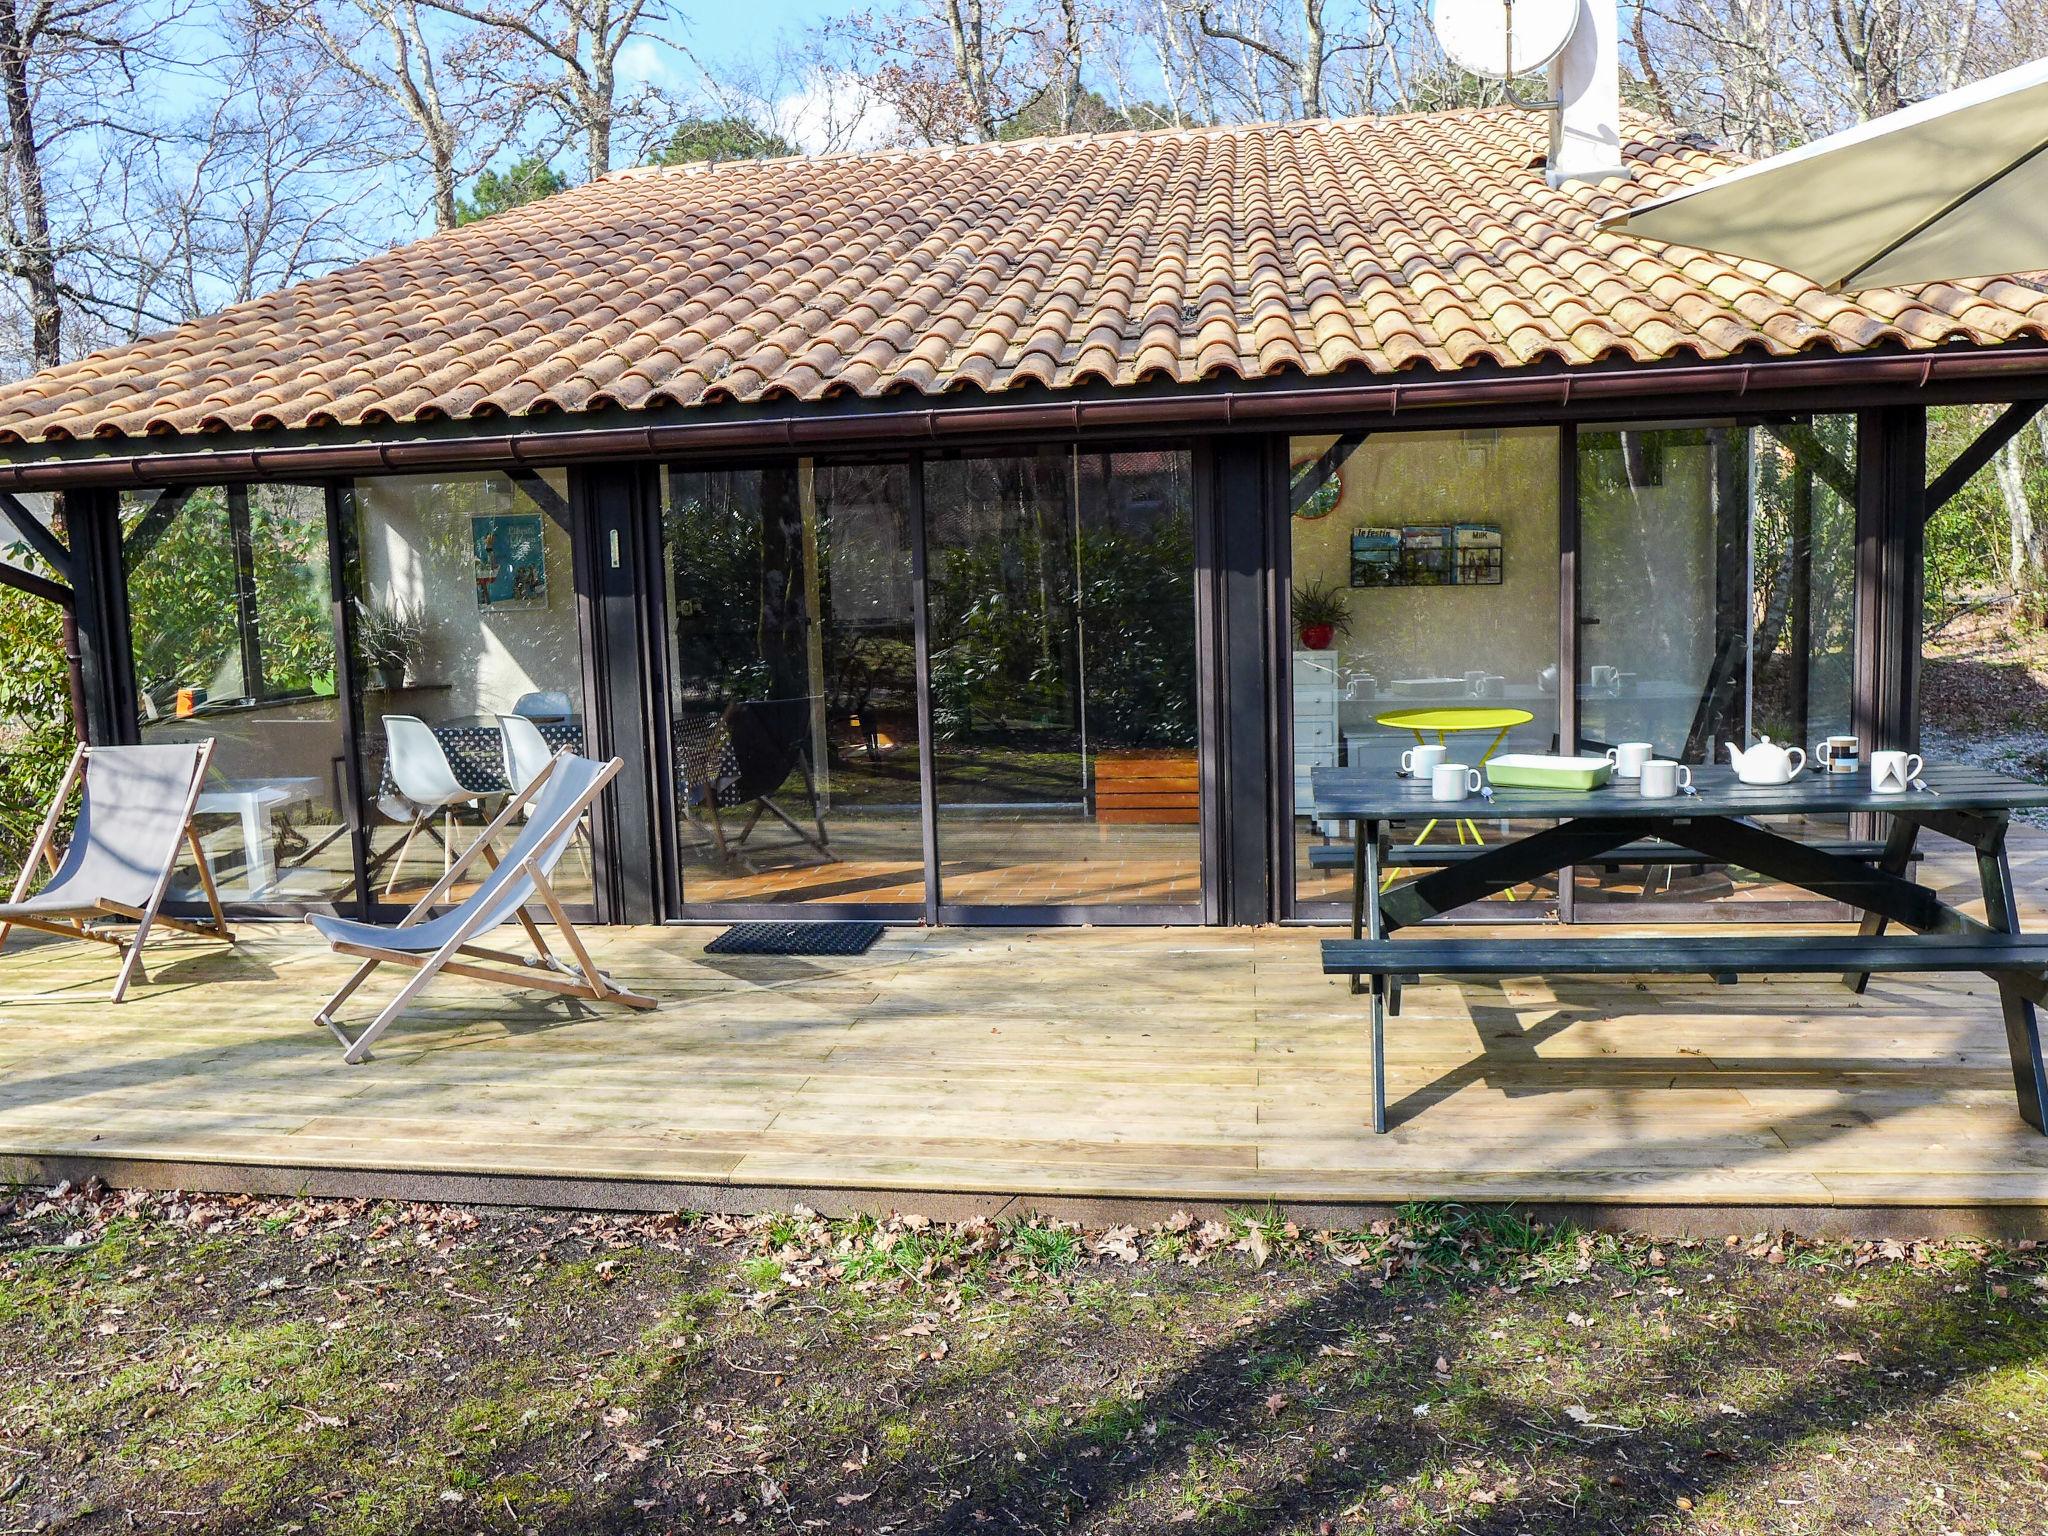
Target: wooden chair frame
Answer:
pixel 145 917
pixel 577 977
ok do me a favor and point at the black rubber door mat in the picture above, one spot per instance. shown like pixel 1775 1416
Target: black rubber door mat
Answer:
pixel 795 939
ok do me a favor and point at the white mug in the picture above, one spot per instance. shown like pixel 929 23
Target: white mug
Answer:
pixel 1893 773
pixel 1839 754
pixel 1629 757
pixel 1663 779
pixel 1420 762
pixel 1453 781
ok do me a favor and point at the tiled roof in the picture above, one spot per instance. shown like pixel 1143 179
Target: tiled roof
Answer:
pixel 1374 245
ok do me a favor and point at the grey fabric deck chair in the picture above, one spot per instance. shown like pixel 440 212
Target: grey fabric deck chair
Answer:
pixel 134 815
pixel 429 943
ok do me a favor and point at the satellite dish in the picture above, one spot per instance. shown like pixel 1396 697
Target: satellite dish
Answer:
pixel 1475 33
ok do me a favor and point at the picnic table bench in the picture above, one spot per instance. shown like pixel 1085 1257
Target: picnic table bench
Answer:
pixel 1439 855
pixel 1716 824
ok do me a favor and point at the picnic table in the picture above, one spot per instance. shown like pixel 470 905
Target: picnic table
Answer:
pixel 1715 824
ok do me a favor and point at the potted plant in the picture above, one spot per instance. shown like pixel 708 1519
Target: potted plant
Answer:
pixel 391 641
pixel 1320 614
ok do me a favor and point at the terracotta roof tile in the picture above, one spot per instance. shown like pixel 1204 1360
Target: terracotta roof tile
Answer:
pixel 1375 245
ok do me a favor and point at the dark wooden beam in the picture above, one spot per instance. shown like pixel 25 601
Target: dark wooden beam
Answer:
pixel 2008 424
pixel 1317 475
pixel 542 495
pixel 137 542
pixel 1805 445
pixel 36 586
pixel 38 536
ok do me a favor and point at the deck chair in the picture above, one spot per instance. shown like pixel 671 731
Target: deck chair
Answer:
pixel 769 740
pixel 429 943
pixel 134 814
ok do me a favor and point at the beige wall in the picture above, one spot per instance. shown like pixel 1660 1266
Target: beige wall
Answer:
pixel 1509 478
pixel 416 546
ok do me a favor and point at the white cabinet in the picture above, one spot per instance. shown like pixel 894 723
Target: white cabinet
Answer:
pixel 1315 724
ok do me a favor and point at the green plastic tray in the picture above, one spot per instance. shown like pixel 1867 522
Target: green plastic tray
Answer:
pixel 1528 770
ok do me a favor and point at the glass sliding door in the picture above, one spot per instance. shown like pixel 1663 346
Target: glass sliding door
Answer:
pixel 1424 595
pixel 792 661
pixel 1063 682
pixel 232 627
pixel 468 665
pixel 1716 584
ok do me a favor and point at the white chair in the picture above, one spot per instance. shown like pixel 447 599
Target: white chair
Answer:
pixel 527 757
pixel 425 781
pixel 550 704
pixel 526 750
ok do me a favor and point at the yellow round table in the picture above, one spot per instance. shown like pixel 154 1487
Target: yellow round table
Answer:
pixel 1444 720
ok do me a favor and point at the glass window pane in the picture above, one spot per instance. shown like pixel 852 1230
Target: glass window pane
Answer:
pixel 1064 689
pixel 1717 582
pixel 232 625
pixel 793 684
pixel 14 549
pixel 465 598
pixel 1425 589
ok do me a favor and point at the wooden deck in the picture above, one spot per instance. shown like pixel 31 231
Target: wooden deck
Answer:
pixel 969 1068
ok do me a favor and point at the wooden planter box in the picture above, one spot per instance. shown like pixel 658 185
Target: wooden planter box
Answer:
pixel 1164 786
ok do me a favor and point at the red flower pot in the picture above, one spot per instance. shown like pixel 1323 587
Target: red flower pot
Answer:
pixel 1317 637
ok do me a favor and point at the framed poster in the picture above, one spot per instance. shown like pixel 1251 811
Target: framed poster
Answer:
pixel 1478 549
pixel 1426 555
pixel 510 550
pixel 1376 557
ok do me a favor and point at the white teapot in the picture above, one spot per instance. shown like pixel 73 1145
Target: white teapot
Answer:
pixel 1766 762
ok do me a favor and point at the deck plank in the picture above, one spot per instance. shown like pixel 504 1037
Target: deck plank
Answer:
pixel 1184 1065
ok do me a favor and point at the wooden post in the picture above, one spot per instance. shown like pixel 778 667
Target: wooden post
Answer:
pixel 1250 511
pixel 1891 493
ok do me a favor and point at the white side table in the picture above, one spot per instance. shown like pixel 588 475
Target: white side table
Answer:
pixel 255 801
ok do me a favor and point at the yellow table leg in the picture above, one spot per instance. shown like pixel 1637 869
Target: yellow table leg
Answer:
pixel 1464 825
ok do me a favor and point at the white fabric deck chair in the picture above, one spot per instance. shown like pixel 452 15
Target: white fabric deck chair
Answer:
pixel 430 943
pixel 134 814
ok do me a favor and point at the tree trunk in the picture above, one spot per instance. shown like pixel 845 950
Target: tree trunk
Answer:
pixel 2026 568
pixel 1646 66
pixel 36 262
pixel 1070 63
pixel 970 64
pixel 597 99
pixel 1312 58
pixel 442 165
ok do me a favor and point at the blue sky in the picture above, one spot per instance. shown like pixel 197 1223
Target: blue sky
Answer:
pixel 722 30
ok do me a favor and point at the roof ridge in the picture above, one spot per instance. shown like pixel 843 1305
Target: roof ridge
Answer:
pixel 1048 141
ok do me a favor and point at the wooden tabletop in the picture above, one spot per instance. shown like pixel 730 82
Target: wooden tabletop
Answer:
pixel 1373 794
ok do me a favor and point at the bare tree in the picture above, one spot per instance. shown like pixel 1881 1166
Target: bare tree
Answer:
pixel 1302 59
pixel 68 72
pixel 582 41
pixel 808 91
pixel 261 187
pixel 954 70
pixel 443 84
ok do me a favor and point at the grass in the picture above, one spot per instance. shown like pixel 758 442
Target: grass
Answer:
pixel 221 1365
